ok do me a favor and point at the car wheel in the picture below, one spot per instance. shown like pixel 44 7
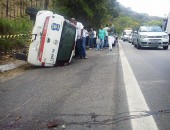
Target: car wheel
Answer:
pixel 138 46
pixel 165 47
pixel 134 45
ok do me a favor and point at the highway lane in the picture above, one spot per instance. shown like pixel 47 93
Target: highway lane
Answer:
pixel 91 93
pixel 87 94
pixel 151 68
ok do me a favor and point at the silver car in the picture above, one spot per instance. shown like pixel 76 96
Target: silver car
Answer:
pixel 130 38
pixel 151 36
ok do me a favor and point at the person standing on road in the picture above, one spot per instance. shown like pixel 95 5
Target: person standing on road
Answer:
pixel 98 43
pixel 106 36
pixel 95 36
pixel 101 36
pixel 83 45
pixel 79 32
pixel 91 36
pixel 111 41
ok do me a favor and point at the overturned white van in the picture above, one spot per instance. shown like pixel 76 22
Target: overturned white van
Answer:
pixel 53 40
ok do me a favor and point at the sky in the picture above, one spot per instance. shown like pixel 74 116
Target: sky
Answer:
pixel 159 8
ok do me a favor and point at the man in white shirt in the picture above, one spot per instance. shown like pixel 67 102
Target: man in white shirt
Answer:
pixel 79 32
pixel 83 45
pixel 95 36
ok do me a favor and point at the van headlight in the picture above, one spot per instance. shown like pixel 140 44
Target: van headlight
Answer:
pixel 143 36
pixel 165 36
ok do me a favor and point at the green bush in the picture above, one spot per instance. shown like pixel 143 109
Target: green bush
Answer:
pixel 14 27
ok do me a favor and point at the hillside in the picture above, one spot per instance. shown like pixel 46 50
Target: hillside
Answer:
pixel 129 18
pixel 140 16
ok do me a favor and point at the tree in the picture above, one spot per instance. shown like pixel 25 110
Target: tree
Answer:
pixel 46 3
pixel 154 22
pixel 89 12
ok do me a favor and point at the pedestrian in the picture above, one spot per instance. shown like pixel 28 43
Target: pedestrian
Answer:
pixel 91 36
pixel 101 36
pixel 97 43
pixel 83 45
pixel 94 39
pixel 79 32
pixel 111 41
pixel 87 38
pixel 106 36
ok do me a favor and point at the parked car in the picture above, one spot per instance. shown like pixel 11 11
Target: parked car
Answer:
pixel 121 37
pixel 133 37
pixel 130 38
pixel 126 34
pixel 151 36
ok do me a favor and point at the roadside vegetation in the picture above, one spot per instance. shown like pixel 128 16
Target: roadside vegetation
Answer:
pixel 14 27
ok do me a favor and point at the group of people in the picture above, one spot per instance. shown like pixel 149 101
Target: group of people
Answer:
pixel 98 41
pixel 103 39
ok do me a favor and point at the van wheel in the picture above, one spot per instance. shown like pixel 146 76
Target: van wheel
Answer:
pixel 165 47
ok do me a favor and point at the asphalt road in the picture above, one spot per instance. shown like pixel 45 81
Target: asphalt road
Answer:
pixel 87 94
pixel 123 89
pixel 151 68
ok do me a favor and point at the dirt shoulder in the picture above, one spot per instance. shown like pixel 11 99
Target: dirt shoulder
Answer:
pixel 6 75
pixel 18 67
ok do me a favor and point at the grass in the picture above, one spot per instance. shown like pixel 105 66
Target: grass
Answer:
pixel 16 23
pixel 14 27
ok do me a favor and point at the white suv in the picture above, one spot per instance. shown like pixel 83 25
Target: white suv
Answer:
pixel 151 36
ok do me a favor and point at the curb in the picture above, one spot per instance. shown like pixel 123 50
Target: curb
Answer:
pixel 13 65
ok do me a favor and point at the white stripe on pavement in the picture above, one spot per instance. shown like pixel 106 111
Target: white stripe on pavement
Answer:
pixel 136 100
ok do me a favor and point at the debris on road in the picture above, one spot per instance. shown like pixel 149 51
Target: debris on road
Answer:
pixel 54 123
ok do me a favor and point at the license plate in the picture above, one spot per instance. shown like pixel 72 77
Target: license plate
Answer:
pixel 154 40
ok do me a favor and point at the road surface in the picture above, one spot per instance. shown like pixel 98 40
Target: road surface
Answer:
pixel 123 89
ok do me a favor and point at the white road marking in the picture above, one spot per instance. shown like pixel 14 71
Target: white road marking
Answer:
pixel 136 100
